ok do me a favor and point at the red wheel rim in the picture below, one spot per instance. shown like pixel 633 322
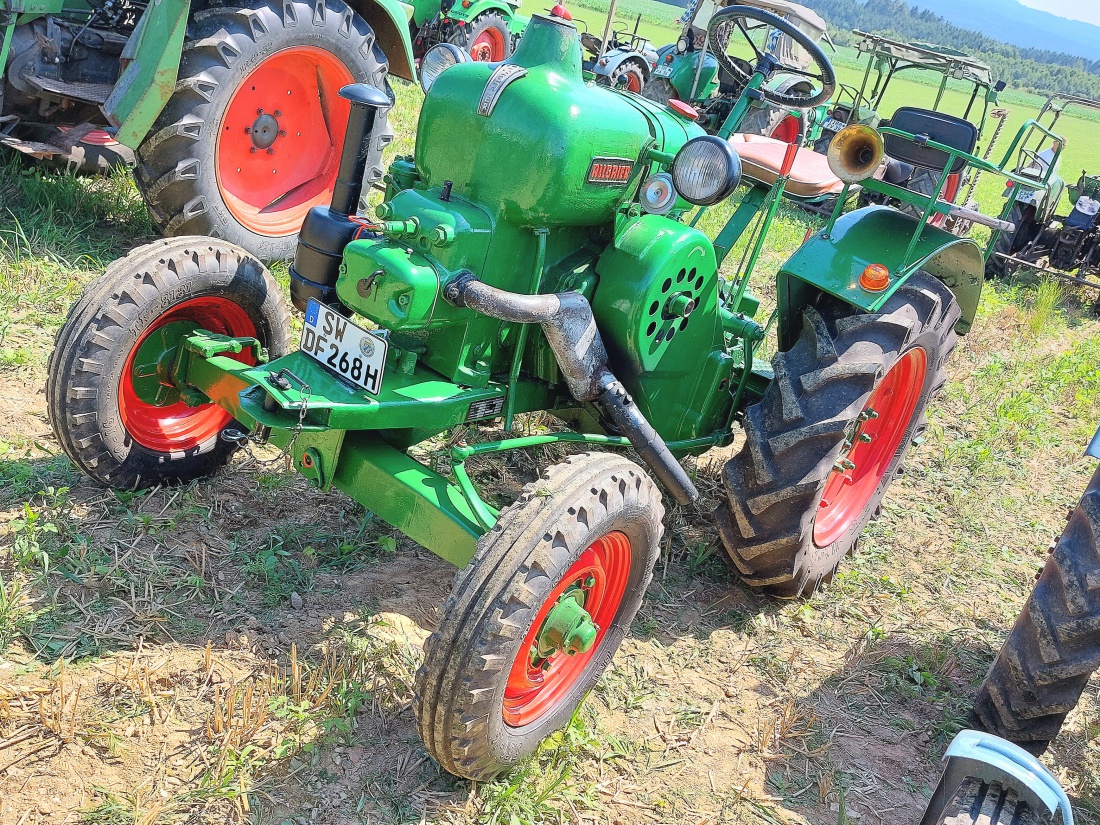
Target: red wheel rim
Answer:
pixel 278 149
pixel 172 426
pixel 787 130
pixel 632 84
pixel 532 692
pixel 848 490
pixel 489 46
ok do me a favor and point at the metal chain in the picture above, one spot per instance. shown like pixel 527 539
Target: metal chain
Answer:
pixel 246 440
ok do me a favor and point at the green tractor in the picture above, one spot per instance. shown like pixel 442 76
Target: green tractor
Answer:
pixel 552 266
pixel 487 29
pixel 233 110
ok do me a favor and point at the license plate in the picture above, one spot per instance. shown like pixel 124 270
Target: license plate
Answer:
pixel 663 70
pixel 833 125
pixel 349 351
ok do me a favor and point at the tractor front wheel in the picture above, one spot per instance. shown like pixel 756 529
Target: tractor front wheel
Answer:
pixel 829 434
pixel 487 38
pixel 251 139
pixel 110 394
pixel 628 76
pixel 535 617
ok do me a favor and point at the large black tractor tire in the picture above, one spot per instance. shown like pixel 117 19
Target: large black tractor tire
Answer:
pixel 94 155
pixel 144 303
pixel 629 76
pixel 976 802
pixel 660 90
pixel 487 38
pixel 482 702
pixel 774 122
pixel 794 510
pixel 252 135
pixel 1054 648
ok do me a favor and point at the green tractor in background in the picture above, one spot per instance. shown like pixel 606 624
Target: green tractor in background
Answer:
pixel 554 265
pixel 233 111
pixel 487 29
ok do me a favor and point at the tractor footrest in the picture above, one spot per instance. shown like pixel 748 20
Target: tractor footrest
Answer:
pixel 96 93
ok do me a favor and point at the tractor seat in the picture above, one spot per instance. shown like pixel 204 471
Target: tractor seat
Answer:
pixel 946 129
pixel 762 160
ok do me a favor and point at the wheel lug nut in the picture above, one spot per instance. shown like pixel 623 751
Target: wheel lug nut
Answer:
pixel 847 465
pixel 278 113
pixel 271 151
pixel 259 111
pixel 248 130
pixel 865 438
pixel 282 133
pixel 252 149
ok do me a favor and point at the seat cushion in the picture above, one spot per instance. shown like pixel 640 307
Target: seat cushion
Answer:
pixel 762 160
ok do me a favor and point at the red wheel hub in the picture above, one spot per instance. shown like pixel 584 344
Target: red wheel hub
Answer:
pixel 881 427
pixel 631 83
pixel 279 146
pixel 536 684
pixel 152 411
pixel 488 46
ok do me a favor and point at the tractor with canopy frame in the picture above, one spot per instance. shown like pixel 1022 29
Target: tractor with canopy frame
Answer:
pixel 555 265
pixel 887 59
pixel 1067 246
pixel 690 69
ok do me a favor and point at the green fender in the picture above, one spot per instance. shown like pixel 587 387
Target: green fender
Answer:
pixel 832 261
pixel 152 57
pixel 479 7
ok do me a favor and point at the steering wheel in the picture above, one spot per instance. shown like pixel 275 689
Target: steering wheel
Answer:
pixel 734 17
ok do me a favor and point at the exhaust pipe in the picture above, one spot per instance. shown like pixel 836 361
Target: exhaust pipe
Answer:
pixel 328 229
pixel 570 328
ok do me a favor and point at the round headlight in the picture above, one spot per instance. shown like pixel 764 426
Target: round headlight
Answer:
pixel 439 57
pixel 706 170
pixel 658 195
pixel 681 45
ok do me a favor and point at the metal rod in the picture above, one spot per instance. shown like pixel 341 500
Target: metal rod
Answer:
pixel 607 28
pixel 699 66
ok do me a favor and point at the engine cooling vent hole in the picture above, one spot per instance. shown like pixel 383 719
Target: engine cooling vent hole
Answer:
pixel 656 305
pixel 651 328
pixel 666 286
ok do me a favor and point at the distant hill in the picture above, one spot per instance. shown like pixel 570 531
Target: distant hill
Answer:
pixel 1015 23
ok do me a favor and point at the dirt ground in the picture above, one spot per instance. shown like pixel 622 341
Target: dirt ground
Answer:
pixel 242 649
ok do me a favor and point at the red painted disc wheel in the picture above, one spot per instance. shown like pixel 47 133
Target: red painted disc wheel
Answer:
pixel 488 46
pixel 535 686
pixel 279 145
pixel 847 493
pixel 156 417
pixel 787 129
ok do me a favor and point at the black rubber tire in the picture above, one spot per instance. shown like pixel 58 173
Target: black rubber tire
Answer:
pixel 1054 648
pixel 176 171
pixel 467 35
pixel 796 433
pixel 621 75
pixel 85 368
pixel 997 267
pixel 460 687
pixel 986 803
pixel 84 159
pixel 660 90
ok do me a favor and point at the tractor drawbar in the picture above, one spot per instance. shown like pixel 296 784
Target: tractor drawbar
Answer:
pixel 570 328
pixel 328 229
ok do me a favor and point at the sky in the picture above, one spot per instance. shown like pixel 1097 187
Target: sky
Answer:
pixel 1086 10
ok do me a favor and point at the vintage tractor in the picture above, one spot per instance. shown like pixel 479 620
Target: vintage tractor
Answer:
pixel 697 69
pixel 551 265
pixel 1066 246
pixel 1046 661
pixel 487 29
pixel 233 110
pixel 620 58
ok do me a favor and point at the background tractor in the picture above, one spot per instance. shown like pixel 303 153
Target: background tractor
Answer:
pixel 233 111
pixel 554 265
pixel 1046 661
pixel 487 29
pixel 1067 246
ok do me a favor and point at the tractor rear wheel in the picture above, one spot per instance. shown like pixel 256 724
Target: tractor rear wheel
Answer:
pixel 976 802
pixel 829 434
pixel 487 38
pixel 251 139
pixel 534 619
pixel 109 394
pixel 1046 662
pixel 997 267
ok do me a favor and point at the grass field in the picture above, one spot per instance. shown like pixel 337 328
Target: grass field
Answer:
pixel 241 649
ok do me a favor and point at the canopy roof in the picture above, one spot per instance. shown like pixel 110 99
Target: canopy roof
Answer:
pixel 808 20
pixel 928 56
pixel 1059 103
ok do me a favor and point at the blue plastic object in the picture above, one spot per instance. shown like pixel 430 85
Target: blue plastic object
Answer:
pixel 990 758
pixel 1094 445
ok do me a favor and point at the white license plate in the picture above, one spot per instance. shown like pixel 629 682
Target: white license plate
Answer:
pixel 663 70
pixel 349 351
pixel 833 125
